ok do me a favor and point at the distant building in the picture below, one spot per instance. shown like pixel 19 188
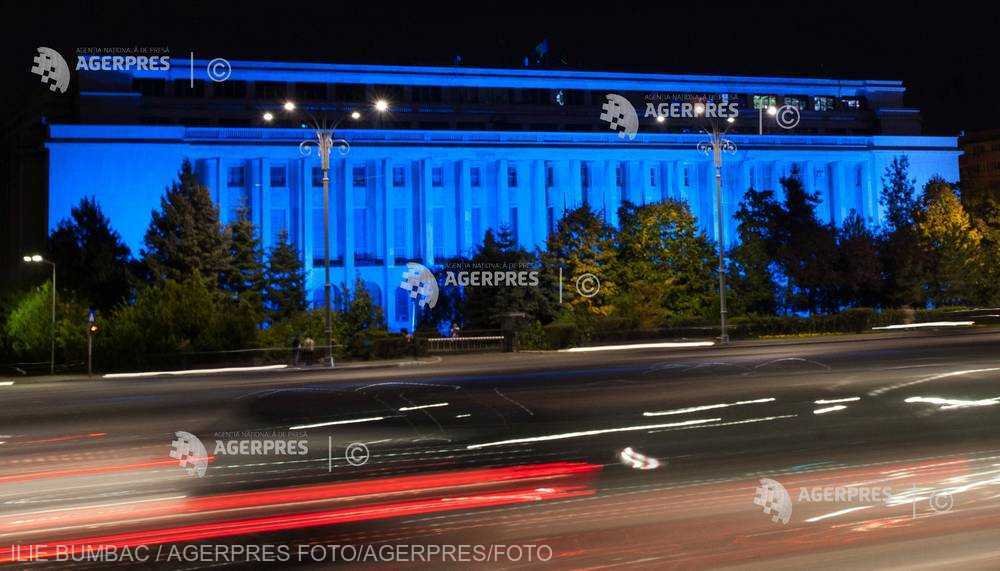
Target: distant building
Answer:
pixel 463 150
pixel 980 161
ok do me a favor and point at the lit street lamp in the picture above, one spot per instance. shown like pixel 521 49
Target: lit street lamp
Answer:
pixel 325 140
pixel 715 146
pixel 38 259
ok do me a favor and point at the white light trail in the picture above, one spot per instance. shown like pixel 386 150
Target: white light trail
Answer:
pixel 825 410
pixel 835 401
pixel 591 433
pixel 639 346
pixel 193 372
pixel 421 406
pixel 928 324
pixel 947 404
pixel 336 422
pixel 836 513
pixel 706 407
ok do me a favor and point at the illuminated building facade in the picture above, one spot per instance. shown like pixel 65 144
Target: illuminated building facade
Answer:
pixel 463 150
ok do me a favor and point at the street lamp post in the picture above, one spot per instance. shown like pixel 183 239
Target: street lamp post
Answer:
pixel 325 141
pixel 715 146
pixel 36 259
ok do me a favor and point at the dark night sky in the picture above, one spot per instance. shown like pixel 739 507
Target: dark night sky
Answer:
pixel 945 52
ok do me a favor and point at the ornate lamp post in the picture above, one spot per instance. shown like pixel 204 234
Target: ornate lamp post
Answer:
pixel 325 140
pixel 715 146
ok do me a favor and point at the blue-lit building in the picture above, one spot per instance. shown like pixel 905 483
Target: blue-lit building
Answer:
pixel 462 150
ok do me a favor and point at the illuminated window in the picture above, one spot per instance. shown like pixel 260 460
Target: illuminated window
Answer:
pixel 852 103
pixel 764 101
pixel 278 179
pixel 236 177
pixel 511 176
pixel 796 102
pixel 824 103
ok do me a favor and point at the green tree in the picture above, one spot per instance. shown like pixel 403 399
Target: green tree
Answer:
pixel 171 318
pixel 665 265
pixel 751 262
pixel 805 251
pixel 361 323
pixel 91 260
pixel 185 235
pixel 245 277
pixel 858 265
pixel 582 244
pixel 485 306
pixel 28 326
pixel 952 246
pixel 983 205
pixel 902 259
pixel 285 292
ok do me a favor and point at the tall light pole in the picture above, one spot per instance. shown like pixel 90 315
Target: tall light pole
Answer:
pixel 715 146
pixel 38 259
pixel 324 131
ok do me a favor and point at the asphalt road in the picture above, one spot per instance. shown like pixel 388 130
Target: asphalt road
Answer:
pixel 886 448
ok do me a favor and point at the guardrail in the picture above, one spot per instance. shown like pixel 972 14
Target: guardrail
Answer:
pixel 469 344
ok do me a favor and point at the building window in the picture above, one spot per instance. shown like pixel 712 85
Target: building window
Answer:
pixel 361 232
pixel 687 176
pixel 317 176
pixel 511 176
pixel 278 178
pixel 475 177
pixel 620 175
pixel 824 103
pixel 584 176
pixel 764 101
pixel 236 177
pixel 550 219
pixel 796 102
pixel 550 178
pixel 359 176
pixel 437 177
pixel 852 103
pixel 398 176
pixel 652 177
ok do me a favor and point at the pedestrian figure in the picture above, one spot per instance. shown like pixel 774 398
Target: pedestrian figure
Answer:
pixel 296 344
pixel 308 345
